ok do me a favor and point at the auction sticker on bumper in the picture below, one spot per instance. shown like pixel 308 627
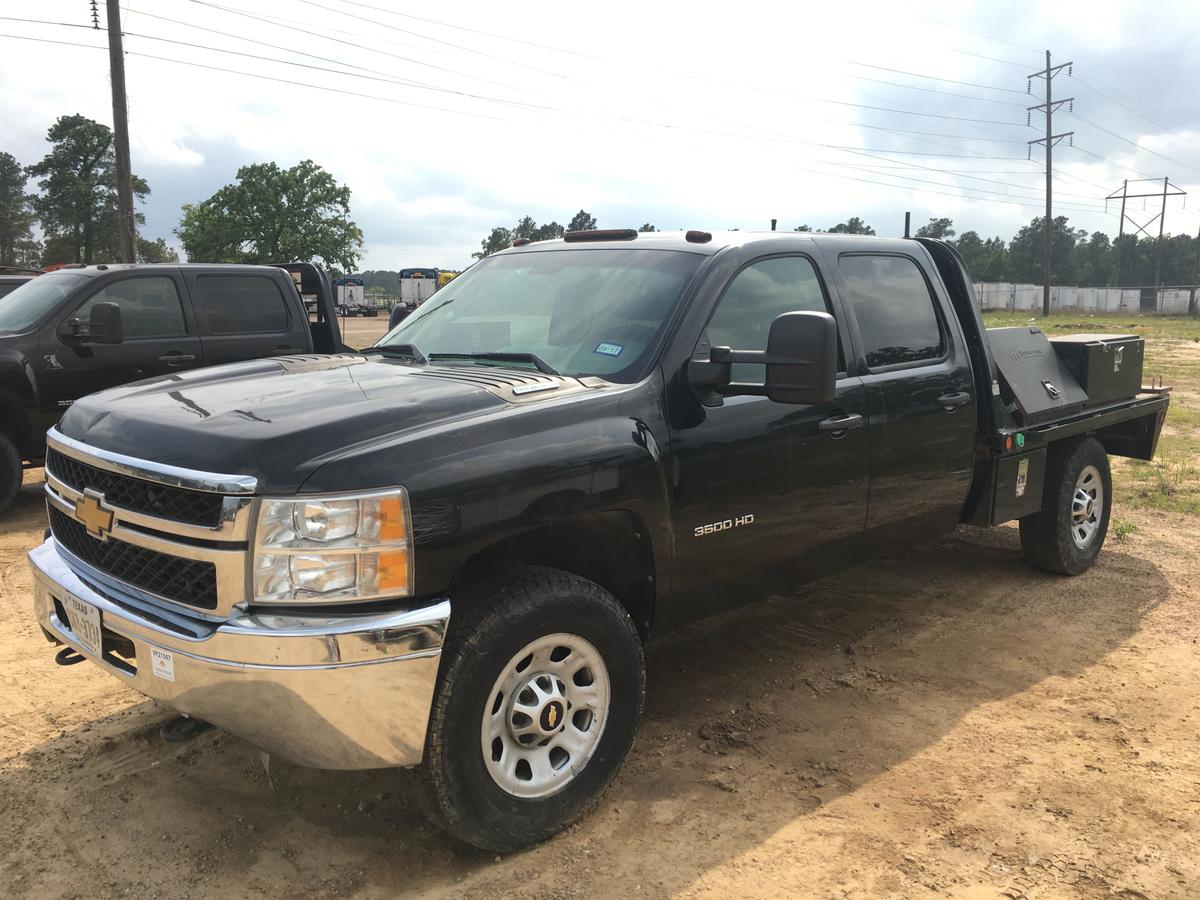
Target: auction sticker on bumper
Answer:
pixel 162 663
pixel 85 623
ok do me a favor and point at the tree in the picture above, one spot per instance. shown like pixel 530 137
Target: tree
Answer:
pixel 804 228
pixel 583 221
pixel 548 232
pixel 78 203
pixel 1027 252
pixel 17 246
pixel 937 228
pixel 854 225
pixel 271 214
pixel 645 229
pixel 155 251
pixel 497 240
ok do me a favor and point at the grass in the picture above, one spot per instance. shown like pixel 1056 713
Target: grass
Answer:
pixel 1171 481
pixel 1122 528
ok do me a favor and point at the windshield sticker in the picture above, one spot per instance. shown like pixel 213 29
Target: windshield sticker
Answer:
pixel 608 349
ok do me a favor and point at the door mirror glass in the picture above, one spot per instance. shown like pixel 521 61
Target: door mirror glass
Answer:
pixel 800 361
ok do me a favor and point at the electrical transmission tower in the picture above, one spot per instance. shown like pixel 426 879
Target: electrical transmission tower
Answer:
pixel 1168 190
pixel 1049 140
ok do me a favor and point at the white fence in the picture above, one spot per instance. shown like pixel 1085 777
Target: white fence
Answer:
pixel 1016 297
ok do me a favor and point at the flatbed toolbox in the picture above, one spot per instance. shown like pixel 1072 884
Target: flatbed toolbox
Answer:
pixel 1107 366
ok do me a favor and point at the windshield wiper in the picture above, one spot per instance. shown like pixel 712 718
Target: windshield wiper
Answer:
pixel 402 351
pixel 529 358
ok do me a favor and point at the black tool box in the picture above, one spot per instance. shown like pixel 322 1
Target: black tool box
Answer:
pixel 1035 383
pixel 1107 366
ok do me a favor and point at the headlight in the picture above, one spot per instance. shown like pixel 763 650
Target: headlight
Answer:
pixel 333 549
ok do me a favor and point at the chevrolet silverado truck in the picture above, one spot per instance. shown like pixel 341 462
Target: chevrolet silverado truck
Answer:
pixel 81 329
pixel 446 552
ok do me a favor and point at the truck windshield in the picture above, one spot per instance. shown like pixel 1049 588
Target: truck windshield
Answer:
pixel 25 307
pixel 584 312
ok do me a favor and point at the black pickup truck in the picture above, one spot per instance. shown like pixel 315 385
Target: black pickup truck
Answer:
pixel 446 552
pixel 82 329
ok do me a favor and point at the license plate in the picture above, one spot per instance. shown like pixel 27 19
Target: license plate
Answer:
pixel 85 622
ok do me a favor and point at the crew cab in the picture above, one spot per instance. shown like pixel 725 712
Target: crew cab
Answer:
pixel 452 560
pixel 81 329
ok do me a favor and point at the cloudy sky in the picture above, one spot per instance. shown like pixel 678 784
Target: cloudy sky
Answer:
pixel 446 119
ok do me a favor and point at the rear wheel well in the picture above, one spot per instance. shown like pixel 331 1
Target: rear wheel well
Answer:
pixel 611 549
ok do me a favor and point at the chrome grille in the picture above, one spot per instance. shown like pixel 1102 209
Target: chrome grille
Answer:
pixel 136 494
pixel 188 581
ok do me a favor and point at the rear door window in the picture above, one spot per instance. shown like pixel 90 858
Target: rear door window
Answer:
pixel 894 308
pixel 150 307
pixel 242 304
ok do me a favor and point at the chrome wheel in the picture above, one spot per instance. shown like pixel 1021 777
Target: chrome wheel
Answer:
pixel 1087 507
pixel 544 716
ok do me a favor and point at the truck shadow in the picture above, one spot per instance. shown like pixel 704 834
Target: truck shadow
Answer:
pixel 753 720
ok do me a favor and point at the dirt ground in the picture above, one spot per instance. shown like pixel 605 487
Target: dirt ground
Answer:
pixel 946 722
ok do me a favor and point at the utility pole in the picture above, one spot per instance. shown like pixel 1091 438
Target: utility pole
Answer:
pixel 1168 190
pixel 1195 277
pixel 1162 218
pixel 126 228
pixel 1121 228
pixel 1049 140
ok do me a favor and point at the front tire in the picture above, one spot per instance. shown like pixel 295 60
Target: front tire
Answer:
pixel 1068 533
pixel 539 695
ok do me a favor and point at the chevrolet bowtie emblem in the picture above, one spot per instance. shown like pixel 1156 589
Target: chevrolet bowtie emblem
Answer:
pixel 91 513
pixel 553 716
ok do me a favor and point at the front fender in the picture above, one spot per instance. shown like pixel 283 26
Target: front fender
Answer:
pixel 484 481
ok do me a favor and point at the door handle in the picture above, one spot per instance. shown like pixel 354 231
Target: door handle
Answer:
pixel 951 402
pixel 174 358
pixel 840 424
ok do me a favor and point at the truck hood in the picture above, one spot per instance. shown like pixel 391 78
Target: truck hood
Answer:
pixel 280 419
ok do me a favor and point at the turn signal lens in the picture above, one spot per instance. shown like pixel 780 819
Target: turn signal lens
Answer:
pixel 393 570
pixel 393 520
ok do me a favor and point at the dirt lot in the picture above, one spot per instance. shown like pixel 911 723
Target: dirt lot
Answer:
pixel 943 722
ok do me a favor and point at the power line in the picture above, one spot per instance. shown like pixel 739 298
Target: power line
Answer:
pixel 913 87
pixel 318 87
pixel 491 34
pixel 1135 111
pixel 1099 127
pixel 1007 62
pixel 1105 159
pixel 985 37
pixel 934 77
pixel 964 192
pixel 322 37
pixel 435 40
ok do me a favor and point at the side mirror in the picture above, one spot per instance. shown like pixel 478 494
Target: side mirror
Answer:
pixel 801 363
pixel 104 326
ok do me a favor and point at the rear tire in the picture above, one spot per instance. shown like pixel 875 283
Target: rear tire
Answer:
pixel 1068 533
pixel 11 471
pixel 539 695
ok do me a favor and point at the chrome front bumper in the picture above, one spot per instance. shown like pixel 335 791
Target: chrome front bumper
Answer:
pixel 346 691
